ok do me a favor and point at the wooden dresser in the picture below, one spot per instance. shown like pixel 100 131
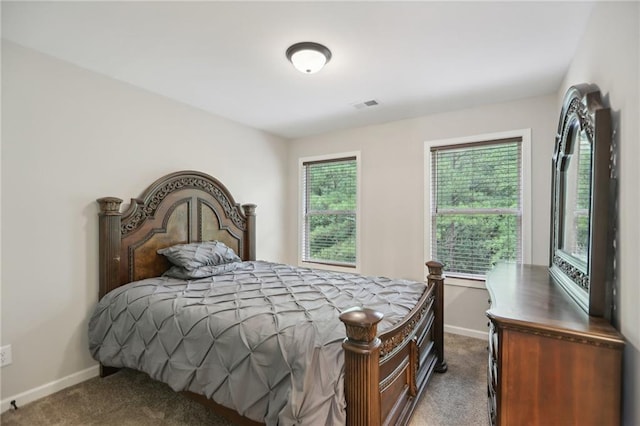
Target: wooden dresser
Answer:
pixel 549 362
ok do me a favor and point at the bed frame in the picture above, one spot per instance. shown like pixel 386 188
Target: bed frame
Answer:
pixel 385 374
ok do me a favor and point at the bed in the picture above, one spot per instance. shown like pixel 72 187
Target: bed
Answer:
pixel 370 369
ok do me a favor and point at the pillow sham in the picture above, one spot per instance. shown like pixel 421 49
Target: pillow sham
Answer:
pixel 195 255
pixel 201 272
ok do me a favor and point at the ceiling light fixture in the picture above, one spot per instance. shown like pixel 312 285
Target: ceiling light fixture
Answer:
pixel 308 57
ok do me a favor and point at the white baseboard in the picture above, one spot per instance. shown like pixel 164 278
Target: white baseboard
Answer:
pixel 49 388
pixel 483 335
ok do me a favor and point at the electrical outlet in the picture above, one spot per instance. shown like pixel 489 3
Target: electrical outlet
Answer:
pixel 5 355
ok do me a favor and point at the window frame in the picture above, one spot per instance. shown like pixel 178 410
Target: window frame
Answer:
pixel 526 233
pixel 302 206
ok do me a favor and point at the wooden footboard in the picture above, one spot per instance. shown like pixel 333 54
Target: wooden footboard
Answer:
pixel 386 374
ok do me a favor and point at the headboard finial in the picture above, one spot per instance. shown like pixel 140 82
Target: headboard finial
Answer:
pixel 249 209
pixel 435 269
pixel 109 205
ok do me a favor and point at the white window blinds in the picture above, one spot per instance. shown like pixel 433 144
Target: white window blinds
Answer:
pixel 330 194
pixel 476 205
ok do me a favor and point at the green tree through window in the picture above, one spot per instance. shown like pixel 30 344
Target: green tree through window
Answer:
pixel 330 194
pixel 476 208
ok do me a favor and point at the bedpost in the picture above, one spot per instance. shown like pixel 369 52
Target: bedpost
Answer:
pixel 109 253
pixel 435 277
pixel 361 365
pixel 109 243
pixel 250 212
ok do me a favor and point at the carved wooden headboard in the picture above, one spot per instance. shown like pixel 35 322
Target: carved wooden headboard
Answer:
pixel 182 207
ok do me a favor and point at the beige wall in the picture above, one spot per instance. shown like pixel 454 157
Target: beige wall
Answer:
pixel 609 56
pixel 392 211
pixel 70 136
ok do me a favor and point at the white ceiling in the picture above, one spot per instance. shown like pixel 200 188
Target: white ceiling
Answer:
pixel 228 58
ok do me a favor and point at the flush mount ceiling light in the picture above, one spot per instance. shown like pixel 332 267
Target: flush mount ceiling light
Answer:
pixel 308 57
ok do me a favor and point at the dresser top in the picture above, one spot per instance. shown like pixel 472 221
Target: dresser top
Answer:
pixel 525 296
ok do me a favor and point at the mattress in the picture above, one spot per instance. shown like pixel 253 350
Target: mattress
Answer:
pixel 263 339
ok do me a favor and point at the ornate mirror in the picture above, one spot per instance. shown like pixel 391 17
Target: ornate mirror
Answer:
pixel 581 241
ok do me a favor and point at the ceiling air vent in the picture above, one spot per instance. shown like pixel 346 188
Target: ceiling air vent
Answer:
pixel 366 104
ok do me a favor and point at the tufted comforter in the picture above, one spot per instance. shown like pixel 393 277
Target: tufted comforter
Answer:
pixel 264 339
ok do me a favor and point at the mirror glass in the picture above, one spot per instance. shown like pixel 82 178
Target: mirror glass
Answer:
pixel 577 198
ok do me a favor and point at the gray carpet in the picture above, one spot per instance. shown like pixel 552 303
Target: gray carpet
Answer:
pixel 457 398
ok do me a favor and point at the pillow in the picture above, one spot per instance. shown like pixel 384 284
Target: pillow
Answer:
pixel 195 255
pixel 201 272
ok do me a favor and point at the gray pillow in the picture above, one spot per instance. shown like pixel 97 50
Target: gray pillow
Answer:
pixel 195 255
pixel 202 272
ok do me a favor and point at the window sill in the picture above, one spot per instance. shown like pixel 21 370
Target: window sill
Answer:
pixel 463 282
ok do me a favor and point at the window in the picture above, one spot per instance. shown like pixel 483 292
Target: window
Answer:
pixel 478 192
pixel 329 210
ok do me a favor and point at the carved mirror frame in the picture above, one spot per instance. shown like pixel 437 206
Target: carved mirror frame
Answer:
pixel 583 269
